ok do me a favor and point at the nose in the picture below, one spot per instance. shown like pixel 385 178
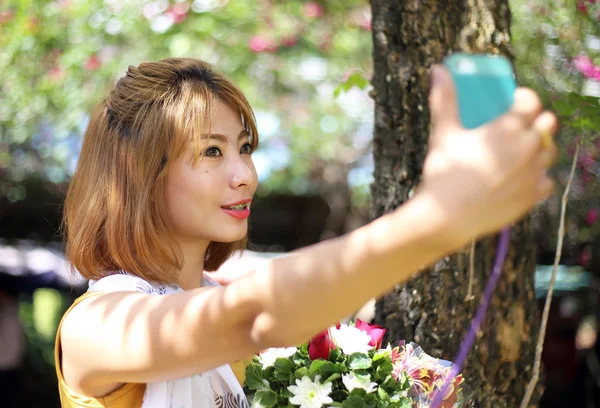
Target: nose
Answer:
pixel 242 172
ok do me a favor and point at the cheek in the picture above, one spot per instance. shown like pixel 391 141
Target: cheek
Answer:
pixel 254 173
pixel 185 195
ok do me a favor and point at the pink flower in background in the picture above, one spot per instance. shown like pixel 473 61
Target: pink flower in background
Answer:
pixel 93 63
pixel 586 161
pixel 586 177
pixel 585 257
pixel 366 24
pixel 313 9
pixel 56 74
pixel 6 16
pixel 259 43
pixel 581 7
pixel 585 65
pixel 179 12
pixel 592 216
pixel 289 41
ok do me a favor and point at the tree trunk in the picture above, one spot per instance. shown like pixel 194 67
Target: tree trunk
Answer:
pixel 432 310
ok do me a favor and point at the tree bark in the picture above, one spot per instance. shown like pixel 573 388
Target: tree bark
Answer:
pixel 432 310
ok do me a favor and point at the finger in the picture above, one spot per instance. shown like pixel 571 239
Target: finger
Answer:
pixel 548 157
pixel 546 125
pixel 545 187
pixel 527 105
pixel 442 101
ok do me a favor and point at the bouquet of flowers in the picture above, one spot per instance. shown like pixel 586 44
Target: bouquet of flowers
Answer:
pixel 345 366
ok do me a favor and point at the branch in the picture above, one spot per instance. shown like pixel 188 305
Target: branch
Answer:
pixel 561 232
pixel 471 272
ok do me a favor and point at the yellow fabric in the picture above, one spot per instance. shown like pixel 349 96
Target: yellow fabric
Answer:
pixel 127 396
pixel 239 369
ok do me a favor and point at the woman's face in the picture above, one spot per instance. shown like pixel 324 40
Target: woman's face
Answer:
pixel 200 196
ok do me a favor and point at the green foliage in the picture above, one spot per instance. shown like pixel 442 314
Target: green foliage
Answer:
pixel 356 79
pixel 557 53
pixel 269 386
pixel 59 58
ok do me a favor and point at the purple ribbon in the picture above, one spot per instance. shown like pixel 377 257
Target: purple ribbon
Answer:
pixel 467 343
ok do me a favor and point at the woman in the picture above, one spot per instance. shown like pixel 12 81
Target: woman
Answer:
pixel 162 192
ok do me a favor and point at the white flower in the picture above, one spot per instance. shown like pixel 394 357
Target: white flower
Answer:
pixel 310 394
pixel 267 358
pixel 350 339
pixel 352 381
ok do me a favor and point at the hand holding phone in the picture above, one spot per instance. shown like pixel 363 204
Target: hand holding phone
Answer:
pixel 485 86
pixel 486 164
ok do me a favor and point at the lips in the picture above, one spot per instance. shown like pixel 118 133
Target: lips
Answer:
pixel 239 214
pixel 239 204
pixel 239 210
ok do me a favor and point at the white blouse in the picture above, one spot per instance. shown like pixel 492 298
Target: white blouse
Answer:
pixel 217 388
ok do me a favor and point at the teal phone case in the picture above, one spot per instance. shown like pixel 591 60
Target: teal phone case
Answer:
pixel 485 86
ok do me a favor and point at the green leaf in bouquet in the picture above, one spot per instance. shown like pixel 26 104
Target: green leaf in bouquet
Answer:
pixel 405 402
pixel 282 376
pixel 266 398
pixel 404 381
pixel 254 377
pixel 339 395
pixel 301 359
pixel 315 366
pixel 383 395
pixel 359 392
pixel 304 349
pixel 354 402
pixel 285 393
pixel 335 355
pixel 332 377
pixel 284 365
pixel 328 369
pixel 380 354
pixel 359 361
pixel 301 372
pixel 390 383
pixel 384 369
pixel 336 404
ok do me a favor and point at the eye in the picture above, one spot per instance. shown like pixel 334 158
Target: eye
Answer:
pixel 213 151
pixel 247 149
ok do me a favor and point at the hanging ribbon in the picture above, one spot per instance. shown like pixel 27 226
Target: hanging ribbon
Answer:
pixel 477 321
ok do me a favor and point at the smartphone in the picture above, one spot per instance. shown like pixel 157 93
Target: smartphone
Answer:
pixel 485 86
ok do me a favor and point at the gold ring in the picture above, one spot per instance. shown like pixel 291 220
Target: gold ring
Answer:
pixel 546 139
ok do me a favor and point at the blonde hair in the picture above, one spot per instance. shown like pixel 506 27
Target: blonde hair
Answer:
pixel 115 214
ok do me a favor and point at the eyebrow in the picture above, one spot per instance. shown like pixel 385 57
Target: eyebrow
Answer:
pixel 222 138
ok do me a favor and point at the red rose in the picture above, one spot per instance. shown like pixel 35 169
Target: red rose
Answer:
pixel 376 332
pixel 320 345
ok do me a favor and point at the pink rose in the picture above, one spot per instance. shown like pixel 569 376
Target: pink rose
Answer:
pixel 320 345
pixel 376 332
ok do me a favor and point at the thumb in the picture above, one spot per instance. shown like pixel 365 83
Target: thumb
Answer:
pixel 442 101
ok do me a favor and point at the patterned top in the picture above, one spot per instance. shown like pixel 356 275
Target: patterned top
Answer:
pixel 216 388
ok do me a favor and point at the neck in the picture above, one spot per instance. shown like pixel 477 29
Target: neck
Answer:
pixel 190 276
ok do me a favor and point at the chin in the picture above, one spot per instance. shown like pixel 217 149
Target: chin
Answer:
pixel 230 236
